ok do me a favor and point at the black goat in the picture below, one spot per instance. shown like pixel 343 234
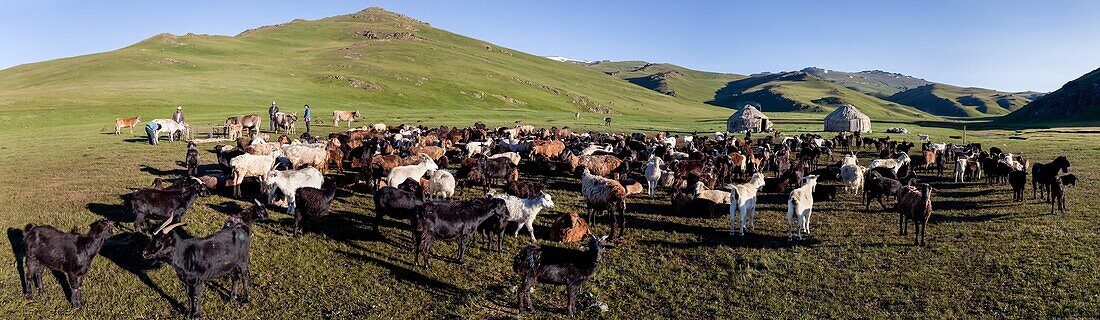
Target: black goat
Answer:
pixel 823 192
pixel 400 202
pixel 170 203
pixel 226 153
pixel 452 219
pixel 191 159
pixel 1069 180
pixel 1018 180
pixel 877 187
pixel 197 260
pixel 493 226
pixel 312 203
pixel 70 253
pixel 497 168
pixel 1043 174
pixel 1058 195
pixel 559 266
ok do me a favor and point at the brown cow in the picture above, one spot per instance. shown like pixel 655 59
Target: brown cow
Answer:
pixel 348 116
pixel 126 123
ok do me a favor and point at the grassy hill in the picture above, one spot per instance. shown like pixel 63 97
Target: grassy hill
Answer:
pixel 1076 103
pixel 802 92
pixel 947 100
pixel 668 79
pixel 391 67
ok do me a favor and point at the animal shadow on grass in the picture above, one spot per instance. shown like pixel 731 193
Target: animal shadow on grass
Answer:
pixel 433 286
pixel 161 173
pixel 19 251
pixel 125 251
pixel 112 212
pixel 939 218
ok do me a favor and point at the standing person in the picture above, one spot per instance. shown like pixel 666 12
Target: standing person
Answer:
pixel 151 130
pixel 306 116
pixel 272 111
pixel 178 116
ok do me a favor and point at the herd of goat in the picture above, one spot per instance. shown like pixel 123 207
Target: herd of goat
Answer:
pixel 405 168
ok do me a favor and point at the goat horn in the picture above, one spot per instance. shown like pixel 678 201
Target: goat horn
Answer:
pixel 161 227
pixel 172 226
pixel 257 202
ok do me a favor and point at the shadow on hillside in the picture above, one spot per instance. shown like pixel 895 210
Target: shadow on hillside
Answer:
pixel 433 286
pixel 125 251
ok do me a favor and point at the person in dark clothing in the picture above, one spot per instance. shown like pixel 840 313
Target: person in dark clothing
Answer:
pixel 271 112
pixel 307 117
pixel 151 130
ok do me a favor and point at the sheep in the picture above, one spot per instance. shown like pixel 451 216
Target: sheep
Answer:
pixel 653 173
pixel 743 199
pixel 514 157
pixel 524 211
pixel 191 159
pixel 70 253
pixel 416 171
pixel 558 266
pixel 301 155
pixel 312 203
pixel 632 186
pixel 197 260
pixel 248 165
pixel 441 184
pixel 601 165
pixel 852 177
pixel 603 194
pixel 453 219
pixel 916 205
pixel 718 196
pixel 800 206
pixel 568 228
pixel 288 182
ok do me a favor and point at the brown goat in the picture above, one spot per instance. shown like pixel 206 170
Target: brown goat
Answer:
pixel 915 204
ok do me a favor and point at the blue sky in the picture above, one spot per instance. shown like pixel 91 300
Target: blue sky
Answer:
pixel 1004 45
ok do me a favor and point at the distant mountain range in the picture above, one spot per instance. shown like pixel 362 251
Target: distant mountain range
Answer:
pixel 818 89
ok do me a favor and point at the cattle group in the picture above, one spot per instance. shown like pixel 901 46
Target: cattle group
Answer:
pixel 444 181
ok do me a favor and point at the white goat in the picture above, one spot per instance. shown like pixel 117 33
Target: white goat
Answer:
pixel 416 171
pixel 670 143
pixel 743 198
pixel 288 182
pixel 653 173
pixel 849 159
pixel 718 196
pixel 249 165
pixel 892 164
pixel 800 206
pixel 510 155
pixel 477 147
pixel 524 211
pixel 441 184
pixel 960 170
pixel 852 177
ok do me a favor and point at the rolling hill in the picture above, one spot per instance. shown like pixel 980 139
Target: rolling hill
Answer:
pixel 947 100
pixel 799 91
pixel 1077 102
pixel 667 78
pixel 870 87
pixel 383 63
